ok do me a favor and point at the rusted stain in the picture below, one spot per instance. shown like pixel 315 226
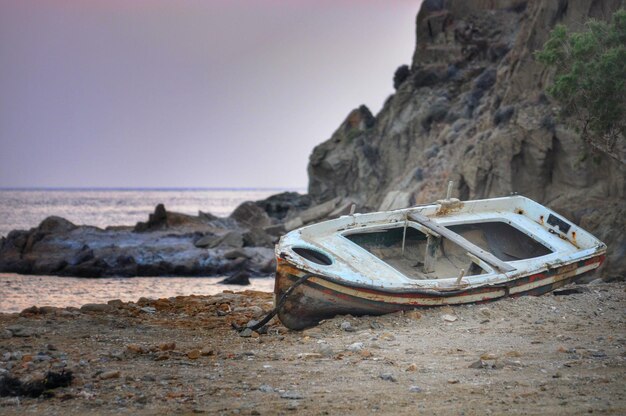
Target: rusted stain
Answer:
pixel 448 206
pixel 567 268
pixel 565 238
pixel 313 302
pixel 541 220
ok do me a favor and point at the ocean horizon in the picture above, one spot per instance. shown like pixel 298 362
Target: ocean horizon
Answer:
pixel 25 208
pixel 150 188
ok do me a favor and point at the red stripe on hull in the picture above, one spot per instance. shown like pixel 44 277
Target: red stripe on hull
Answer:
pixel 311 302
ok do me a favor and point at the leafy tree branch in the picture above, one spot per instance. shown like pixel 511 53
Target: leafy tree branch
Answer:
pixel 590 80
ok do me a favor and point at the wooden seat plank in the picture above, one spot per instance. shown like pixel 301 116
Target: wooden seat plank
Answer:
pixel 485 256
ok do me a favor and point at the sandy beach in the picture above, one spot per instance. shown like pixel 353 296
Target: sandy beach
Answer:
pixel 531 355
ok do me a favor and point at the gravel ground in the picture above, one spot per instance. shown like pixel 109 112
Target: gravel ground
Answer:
pixel 544 355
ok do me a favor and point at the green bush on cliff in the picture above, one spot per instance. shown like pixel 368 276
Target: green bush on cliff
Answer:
pixel 590 79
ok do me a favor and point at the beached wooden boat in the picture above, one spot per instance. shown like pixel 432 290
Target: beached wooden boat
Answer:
pixel 446 253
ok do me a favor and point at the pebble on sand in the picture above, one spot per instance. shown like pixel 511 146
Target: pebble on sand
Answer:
pixel 194 354
pixel 107 375
pixel 449 318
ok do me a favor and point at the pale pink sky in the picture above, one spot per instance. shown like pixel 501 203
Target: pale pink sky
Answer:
pixel 169 93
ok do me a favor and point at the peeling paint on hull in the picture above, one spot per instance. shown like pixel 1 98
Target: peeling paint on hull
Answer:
pixel 382 262
pixel 320 297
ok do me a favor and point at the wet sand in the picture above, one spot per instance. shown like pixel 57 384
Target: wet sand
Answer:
pixel 18 292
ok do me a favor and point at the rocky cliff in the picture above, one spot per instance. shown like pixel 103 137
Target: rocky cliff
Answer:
pixel 471 108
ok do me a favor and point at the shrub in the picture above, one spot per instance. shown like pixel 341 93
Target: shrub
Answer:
pixel 401 74
pixel 590 79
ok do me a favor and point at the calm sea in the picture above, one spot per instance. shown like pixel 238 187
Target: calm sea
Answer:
pixel 24 209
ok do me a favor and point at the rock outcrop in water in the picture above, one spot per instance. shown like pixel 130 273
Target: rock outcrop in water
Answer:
pixel 471 109
pixel 167 244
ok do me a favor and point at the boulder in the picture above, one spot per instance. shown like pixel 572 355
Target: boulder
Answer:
pixel 162 219
pixel 178 220
pixel 156 220
pixel 207 241
pixel 269 266
pixel 97 307
pixel 256 237
pixel 230 239
pixel 15 238
pixel 207 216
pixel 96 267
pixel 84 255
pixel 55 224
pixel 287 203
pixel 33 310
pixel 48 265
pixel 275 230
pixel 229 266
pixel 249 214
pixel 240 278
pixel 235 253
pixel 319 211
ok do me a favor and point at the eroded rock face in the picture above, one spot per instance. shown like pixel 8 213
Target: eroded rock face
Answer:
pixel 472 110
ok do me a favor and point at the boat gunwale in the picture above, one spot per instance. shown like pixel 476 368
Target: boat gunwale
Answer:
pixel 490 278
pixel 445 291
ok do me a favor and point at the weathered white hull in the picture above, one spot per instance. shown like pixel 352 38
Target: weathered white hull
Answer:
pixel 343 270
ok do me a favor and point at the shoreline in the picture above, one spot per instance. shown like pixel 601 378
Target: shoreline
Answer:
pixel 548 354
pixel 18 292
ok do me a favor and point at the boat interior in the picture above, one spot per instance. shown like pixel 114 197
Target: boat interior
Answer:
pixel 423 255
